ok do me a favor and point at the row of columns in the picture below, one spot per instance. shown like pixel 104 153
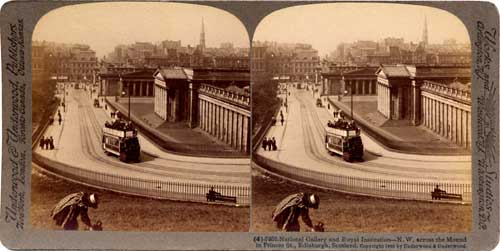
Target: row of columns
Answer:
pixel 224 123
pixel 361 86
pixel 384 100
pixel 332 86
pixel 109 87
pixel 161 102
pixel 452 121
pixel 139 88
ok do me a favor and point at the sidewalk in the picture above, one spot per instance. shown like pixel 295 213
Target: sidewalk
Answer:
pixel 173 136
pixel 300 144
pixel 399 136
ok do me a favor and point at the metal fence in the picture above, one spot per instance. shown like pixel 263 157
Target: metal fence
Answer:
pixel 154 188
pixel 414 190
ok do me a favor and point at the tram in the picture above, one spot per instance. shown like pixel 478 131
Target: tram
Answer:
pixel 344 138
pixel 120 139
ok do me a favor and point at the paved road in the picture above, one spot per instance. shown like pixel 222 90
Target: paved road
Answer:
pixel 301 144
pixel 78 143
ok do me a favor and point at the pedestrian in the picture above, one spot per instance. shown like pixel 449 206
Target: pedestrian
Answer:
pixel 59 113
pixel 51 120
pixel 45 144
pixel 273 120
pixel 60 120
pixel 42 142
pixel 264 143
pixel 287 212
pixel 328 106
pixel 282 119
pixel 51 143
pixel 273 144
pixel 105 106
pixel 68 209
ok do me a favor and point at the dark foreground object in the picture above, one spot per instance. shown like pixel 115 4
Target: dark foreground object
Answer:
pixel 120 212
pixel 438 195
pixel 351 213
pixel 216 196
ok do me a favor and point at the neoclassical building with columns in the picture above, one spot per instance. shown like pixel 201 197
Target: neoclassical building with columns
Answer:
pixel 363 81
pixel 446 110
pixel 225 115
pixel 116 81
pixel 138 83
pixel 399 87
pixel 215 100
pixel 395 91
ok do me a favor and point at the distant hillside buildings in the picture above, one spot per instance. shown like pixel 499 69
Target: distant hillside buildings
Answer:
pixel 170 53
pixel 296 62
pixel 396 50
pixel 393 50
pixel 69 62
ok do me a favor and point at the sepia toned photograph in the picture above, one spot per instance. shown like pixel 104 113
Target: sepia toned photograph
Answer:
pixel 361 120
pixel 141 119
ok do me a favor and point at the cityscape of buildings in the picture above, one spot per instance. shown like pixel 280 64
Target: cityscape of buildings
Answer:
pixel 418 82
pixel 201 120
pixel 174 76
pixel 361 68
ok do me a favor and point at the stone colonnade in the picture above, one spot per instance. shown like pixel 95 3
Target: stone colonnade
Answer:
pixel 225 121
pixel 109 87
pixel 162 103
pixel 384 98
pixel 447 117
pixel 361 86
pixel 138 88
pixel 332 85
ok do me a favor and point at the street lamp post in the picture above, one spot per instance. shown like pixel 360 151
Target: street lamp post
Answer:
pixel 128 84
pixel 123 93
pixel 64 97
pixel 286 97
pixel 345 92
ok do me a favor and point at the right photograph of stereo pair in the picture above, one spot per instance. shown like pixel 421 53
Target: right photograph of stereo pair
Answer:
pixel 361 120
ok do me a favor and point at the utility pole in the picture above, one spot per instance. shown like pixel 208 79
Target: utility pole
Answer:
pixel 352 116
pixel 128 84
pixel 64 97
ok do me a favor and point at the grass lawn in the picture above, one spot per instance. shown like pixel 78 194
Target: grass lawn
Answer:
pixel 350 213
pixel 131 213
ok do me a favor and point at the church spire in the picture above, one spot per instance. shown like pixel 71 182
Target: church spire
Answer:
pixel 202 35
pixel 425 35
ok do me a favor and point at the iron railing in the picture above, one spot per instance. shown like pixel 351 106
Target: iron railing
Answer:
pixel 153 188
pixel 401 189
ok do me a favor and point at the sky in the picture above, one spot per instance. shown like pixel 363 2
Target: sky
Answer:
pixel 105 25
pixel 326 25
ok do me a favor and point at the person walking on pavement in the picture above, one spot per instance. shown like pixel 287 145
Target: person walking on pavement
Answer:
pixel 51 143
pixel 42 142
pixel 46 143
pixel 264 143
pixel 273 144
pixel 60 120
